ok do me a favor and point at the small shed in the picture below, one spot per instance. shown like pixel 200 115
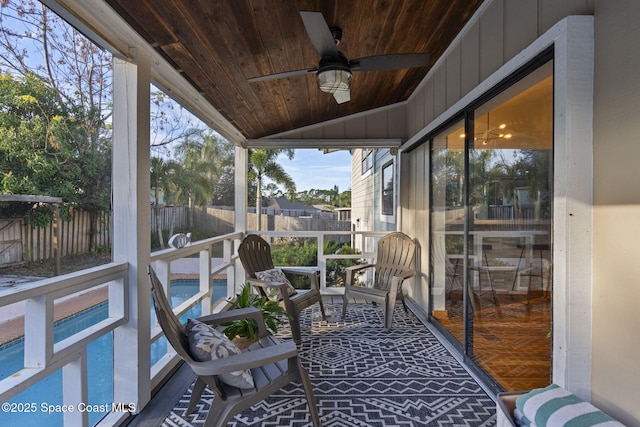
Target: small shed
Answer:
pixel 344 214
pixel 13 207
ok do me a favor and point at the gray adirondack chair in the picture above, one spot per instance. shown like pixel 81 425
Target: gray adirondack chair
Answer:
pixel 255 255
pixel 273 363
pixel 394 264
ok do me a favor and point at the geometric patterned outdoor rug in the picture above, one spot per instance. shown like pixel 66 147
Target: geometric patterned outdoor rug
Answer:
pixel 363 377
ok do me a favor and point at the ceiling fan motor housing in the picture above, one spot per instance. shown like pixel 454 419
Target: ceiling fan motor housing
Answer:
pixel 334 74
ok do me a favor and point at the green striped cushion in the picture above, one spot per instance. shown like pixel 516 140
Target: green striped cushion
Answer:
pixel 554 406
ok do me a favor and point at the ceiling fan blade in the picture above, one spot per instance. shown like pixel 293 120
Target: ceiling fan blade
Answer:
pixel 319 33
pixel 342 96
pixel 282 75
pixel 389 62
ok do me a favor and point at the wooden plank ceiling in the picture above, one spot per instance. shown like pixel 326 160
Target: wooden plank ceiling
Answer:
pixel 218 44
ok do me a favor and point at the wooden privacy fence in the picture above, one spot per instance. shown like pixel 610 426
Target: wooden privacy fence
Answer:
pixel 10 241
pixel 169 217
pixel 220 220
pixel 22 242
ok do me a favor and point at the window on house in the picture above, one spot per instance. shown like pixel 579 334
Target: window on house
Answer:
pixel 387 189
pixel 367 160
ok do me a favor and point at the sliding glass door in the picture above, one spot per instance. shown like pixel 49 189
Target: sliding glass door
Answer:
pixel 447 229
pixel 491 236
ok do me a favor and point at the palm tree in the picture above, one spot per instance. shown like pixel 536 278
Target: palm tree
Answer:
pixel 262 164
pixel 160 183
pixel 344 199
pixel 178 185
pixel 212 158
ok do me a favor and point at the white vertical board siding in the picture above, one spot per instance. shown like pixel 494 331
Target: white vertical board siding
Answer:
pixel 453 89
pixel 336 130
pixel 422 222
pixel 520 25
pixel 417 110
pixel 551 11
pixel 396 121
pixel 377 124
pixel 406 217
pixel 356 127
pixel 380 123
pixel 470 60
pixel 501 31
pixel 439 90
pixel 491 27
pixel 415 221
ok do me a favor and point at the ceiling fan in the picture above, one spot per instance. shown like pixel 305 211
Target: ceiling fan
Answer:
pixel 334 71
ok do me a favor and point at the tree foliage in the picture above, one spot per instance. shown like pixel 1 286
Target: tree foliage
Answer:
pixel 296 253
pixel 212 158
pixel 171 124
pixel 56 105
pixel 332 197
pixel 202 174
pixel 43 150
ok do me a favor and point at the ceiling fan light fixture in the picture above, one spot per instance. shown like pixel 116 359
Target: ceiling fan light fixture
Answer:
pixel 333 80
pixel 334 71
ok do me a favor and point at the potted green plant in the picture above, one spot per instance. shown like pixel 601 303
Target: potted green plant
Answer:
pixel 243 332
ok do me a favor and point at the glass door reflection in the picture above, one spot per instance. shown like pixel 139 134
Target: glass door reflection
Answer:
pixel 491 235
pixel 447 225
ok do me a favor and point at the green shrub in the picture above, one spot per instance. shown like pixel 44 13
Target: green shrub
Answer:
pixel 306 254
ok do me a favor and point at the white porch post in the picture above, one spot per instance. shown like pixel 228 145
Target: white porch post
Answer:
pixel 241 204
pixel 75 390
pixel 573 205
pixel 132 226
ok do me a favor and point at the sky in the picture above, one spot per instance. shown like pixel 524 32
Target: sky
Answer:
pixel 311 168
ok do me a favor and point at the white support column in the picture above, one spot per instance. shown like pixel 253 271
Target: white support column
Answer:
pixel 131 225
pixel 241 179
pixel 573 205
pixel 75 391
pixel 241 206
pixel 322 264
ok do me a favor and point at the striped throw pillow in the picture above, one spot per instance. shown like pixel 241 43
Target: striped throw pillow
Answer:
pixel 554 406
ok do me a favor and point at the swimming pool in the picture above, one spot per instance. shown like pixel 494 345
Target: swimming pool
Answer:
pixel 99 362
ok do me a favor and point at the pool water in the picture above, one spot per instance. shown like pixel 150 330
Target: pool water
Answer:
pixel 37 398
